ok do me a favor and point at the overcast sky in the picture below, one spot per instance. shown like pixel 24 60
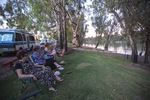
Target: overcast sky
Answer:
pixel 91 30
pixel 2 1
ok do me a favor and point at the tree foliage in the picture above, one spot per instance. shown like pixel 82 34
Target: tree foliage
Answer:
pixel 131 15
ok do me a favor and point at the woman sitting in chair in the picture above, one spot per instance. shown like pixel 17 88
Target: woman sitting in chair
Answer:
pixel 25 68
pixel 50 51
pixel 46 59
pixel 59 52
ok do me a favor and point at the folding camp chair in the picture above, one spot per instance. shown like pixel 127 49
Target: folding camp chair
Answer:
pixel 32 59
pixel 25 81
pixel 33 94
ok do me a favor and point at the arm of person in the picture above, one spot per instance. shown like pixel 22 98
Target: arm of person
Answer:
pixel 21 75
pixel 41 66
pixel 48 50
pixel 53 52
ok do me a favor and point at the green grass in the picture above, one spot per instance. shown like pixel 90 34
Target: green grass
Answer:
pixel 95 76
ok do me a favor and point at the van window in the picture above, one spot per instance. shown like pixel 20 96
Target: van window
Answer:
pixel 18 37
pixel 31 38
pixel 6 37
pixel 24 38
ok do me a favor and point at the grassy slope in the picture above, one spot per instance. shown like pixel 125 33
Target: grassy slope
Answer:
pixel 95 76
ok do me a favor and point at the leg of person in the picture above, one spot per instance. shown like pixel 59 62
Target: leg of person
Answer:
pixel 52 89
pixel 59 79
pixel 62 57
pixel 54 54
pixel 50 63
pixel 53 64
pixel 58 66
pixel 48 77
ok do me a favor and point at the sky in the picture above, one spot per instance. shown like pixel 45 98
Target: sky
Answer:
pixel 91 30
pixel 2 1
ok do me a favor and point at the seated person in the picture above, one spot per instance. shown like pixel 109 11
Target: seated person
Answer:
pixel 40 59
pixel 25 68
pixel 60 52
pixel 49 52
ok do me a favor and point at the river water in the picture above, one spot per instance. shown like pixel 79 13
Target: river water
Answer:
pixel 117 48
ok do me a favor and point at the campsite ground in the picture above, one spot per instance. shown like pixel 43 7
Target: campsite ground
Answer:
pixel 90 75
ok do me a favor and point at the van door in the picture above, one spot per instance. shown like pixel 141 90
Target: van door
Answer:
pixel 19 41
pixel 28 42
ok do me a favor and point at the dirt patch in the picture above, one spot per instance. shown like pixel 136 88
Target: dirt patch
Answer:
pixel 110 55
pixel 145 90
pixel 135 67
pixel 83 65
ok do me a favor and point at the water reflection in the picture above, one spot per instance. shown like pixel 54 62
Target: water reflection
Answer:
pixel 116 48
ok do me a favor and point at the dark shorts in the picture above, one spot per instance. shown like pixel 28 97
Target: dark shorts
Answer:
pixel 50 62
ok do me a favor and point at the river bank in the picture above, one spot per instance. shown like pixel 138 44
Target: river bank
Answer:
pixel 6 71
pixel 145 66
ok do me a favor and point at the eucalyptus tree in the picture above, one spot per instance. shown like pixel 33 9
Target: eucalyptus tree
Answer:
pixel 14 12
pixel 134 14
pixel 69 11
pixel 104 23
pixel 124 12
pixel 83 28
pixel 75 15
pixel 99 20
pixel 41 15
pixel 142 17
pixel 59 11
pixel 111 28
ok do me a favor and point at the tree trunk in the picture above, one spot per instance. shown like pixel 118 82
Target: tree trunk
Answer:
pixel 76 37
pixel 140 54
pixel 107 42
pixel 60 34
pixel 147 50
pixel 97 44
pixel 106 46
pixel 99 39
pixel 65 34
pixel 134 56
pixel 75 40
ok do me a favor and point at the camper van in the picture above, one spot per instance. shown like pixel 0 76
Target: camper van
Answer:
pixel 12 40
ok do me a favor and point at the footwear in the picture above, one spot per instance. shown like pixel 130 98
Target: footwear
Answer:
pixel 52 89
pixel 54 82
pixel 60 80
pixel 60 68
pixel 57 73
pixel 62 62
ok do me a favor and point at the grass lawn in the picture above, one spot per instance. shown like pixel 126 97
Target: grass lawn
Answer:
pixel 94 76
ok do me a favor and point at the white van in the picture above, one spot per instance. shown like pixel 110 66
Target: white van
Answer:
pixel 11 40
